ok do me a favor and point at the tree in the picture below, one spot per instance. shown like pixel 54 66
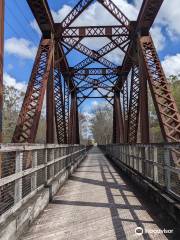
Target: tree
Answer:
pixel 101 124
pixel 12 102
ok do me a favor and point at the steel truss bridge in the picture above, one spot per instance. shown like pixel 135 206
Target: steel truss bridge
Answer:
pixel 68 87
pixel 25 168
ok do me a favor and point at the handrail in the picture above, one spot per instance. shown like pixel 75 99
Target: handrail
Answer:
pixel 25 169
pixel 154 162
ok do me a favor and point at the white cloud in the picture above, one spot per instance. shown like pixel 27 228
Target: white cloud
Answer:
pixel 11 81
pixel 169 16
pixel 96 15
pixel 116 56
pixel 94 104
pixel 61 13
pixel 35 27
pixel 20 47
pixel 158 37
pixel 171 65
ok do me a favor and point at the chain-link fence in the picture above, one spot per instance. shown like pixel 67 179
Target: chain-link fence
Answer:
pixel 25 169
pixel 156 162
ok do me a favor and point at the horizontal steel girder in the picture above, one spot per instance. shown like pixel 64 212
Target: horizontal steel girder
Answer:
pixel 96 71
pixel 91 31
pixel 146 17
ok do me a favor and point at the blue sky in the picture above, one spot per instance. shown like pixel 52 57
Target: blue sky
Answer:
pixel 22 37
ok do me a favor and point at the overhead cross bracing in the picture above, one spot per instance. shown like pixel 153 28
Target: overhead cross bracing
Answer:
pixel 123 85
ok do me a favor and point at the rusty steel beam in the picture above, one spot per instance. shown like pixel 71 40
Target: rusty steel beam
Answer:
pixel 116 12
pixel 144 113
pixel 98 56
pixel 118 128
pixel 93 55
pixel 59 106
pixel 64 66
pixel 76 11
pixel 1 63
pixel 125 92
pixel 29 116
pixel 146 17
pixel 112 8
pixel 92 31
pixel 134 102
pixel 42 14
pixel 95 71
pixel 167 111
pixel 66 106
pixel 74 122
pixel 50 113
pixel 123 36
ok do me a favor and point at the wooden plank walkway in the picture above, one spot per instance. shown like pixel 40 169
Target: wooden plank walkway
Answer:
pixel 96 203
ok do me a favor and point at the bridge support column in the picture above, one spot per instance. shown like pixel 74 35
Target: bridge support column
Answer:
pixel 28 120
pixel 74 120
pixel 1 62
pixel 118 131
pixel 166 108
pixel 59 107
pixel 50 107
pixel 125 108
pixel 133 117
pixel 144 114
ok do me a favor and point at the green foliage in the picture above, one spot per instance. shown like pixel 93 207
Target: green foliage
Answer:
pixel 175 86
pixel 12 101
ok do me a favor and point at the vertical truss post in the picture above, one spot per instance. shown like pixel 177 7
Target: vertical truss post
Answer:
pixel 59 107
pixel 66 105
pixel 50 107
pixel 167 111
pixel 118 130
pixel 74 120
pixel 133 118
pixel 1 62
pixel 144 114
pixel 125 107
pixel 165 105
pixel 29 115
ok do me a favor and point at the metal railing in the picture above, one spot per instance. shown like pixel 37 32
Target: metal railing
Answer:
pixel 25 169
pixel 154 162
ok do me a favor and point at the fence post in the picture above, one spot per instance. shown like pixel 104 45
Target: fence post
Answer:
pixel 45 169
pixel 155 173
pixel 143 156
pixel 52 165
pixel 34 175
pixel 146 158
pixel 167 171
pixel 18 182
